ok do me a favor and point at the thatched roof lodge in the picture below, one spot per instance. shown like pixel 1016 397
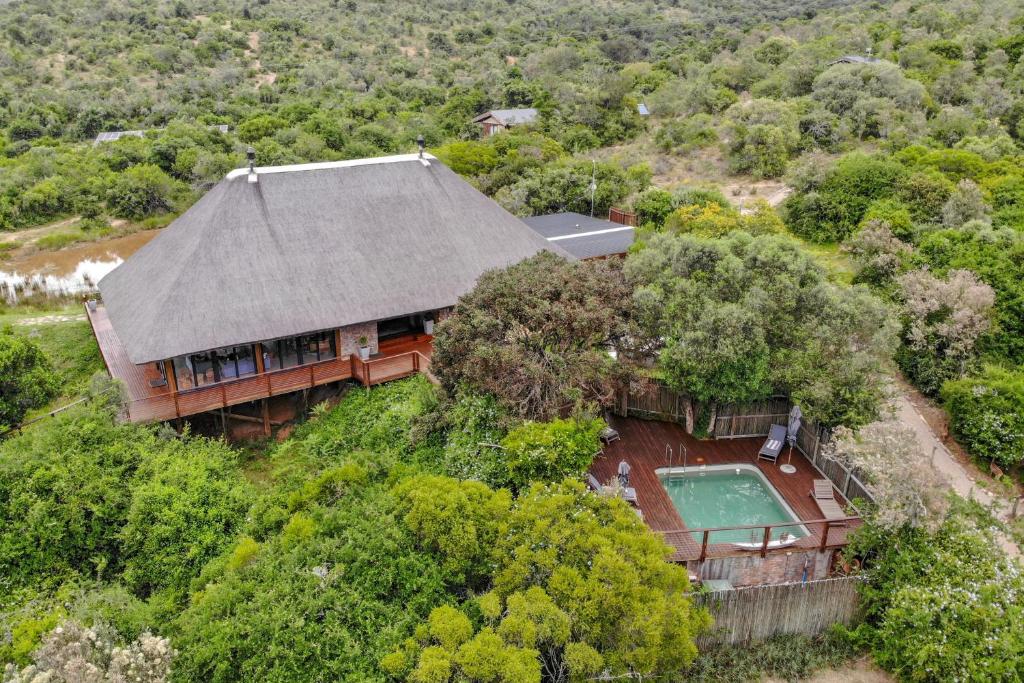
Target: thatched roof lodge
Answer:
pixel 274 279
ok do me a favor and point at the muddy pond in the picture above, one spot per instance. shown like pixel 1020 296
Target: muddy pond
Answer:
pixel 67 272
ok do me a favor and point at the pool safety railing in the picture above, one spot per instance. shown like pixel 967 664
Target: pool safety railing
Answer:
pixel 805 543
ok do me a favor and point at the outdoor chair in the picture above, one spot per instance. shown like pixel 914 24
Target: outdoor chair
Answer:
pixel 608 435
pixel 824 496
pixel 773 444
pixel 627 493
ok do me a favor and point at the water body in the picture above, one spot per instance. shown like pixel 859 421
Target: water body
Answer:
pixel 75 270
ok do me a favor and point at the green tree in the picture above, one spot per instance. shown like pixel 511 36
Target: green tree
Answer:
pixel 27 379
pixel 537 336
pixel 141 191
pixel 550 451
pixel 987 414
pixel 722 341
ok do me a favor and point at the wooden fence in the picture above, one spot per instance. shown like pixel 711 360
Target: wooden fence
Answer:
pixel 759 612
pixel 657 403
pixel 751 419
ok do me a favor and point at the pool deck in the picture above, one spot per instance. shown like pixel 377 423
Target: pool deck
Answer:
pixel 642 445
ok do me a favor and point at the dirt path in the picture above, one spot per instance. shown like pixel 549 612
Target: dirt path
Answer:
pixel 861 671
pixel 962 477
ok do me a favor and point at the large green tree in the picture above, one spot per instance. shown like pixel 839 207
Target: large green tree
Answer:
pixel 537 335
pixel 576 587
pixel 743 318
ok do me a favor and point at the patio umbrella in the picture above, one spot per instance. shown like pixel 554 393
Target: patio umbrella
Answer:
pixel 793 428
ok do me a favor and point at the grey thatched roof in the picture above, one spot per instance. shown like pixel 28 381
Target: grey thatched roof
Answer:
pixel 308 248
pixel 583 236
pixel 510 117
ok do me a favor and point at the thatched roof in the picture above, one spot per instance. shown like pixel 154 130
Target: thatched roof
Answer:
pixel 310 247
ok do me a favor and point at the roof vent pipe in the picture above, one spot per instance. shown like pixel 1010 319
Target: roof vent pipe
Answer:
pixel 250 154
pixel 422 144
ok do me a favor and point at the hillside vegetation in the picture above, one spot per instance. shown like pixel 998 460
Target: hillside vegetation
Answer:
pixel 436 534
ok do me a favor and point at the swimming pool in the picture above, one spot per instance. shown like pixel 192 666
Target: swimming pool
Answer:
pixel 729 496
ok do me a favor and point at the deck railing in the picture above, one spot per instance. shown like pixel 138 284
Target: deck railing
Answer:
pixel 242 390
pixel 832 535
pixel 388 368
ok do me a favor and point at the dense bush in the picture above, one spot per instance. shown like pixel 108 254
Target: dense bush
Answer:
pixel 550 451
pixel 943 606
pixel 746 318
pixel 561 553
pixel 27 379
pixel 830 210
pixel 83 495
pixel 987 414
pixel 537 336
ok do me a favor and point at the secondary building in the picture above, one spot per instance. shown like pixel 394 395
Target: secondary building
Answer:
pixel 285 278
pixel 497 120
pixel 584 237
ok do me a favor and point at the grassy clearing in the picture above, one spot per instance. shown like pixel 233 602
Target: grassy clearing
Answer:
pixel 839 266
pixel 69 345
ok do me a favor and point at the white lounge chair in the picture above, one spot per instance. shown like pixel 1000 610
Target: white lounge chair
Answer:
pixel 773 444
pixel 824 496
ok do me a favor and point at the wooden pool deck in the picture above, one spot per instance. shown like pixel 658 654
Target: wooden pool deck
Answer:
pixel 643 445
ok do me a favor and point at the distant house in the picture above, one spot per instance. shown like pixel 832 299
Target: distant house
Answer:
pixel 497 120
pixel 273 281
pixel 111 136
pixel 585 237
pixel 856 59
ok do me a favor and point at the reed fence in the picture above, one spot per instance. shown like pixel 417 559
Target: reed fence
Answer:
pixel 753 613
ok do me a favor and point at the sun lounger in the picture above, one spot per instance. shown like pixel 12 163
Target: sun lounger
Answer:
pixel 825 497
pixel 773 444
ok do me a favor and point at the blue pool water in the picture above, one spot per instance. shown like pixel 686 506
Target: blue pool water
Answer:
pixel 726 497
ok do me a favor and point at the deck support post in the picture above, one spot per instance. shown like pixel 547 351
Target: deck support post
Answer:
pixel 704 546
pixel 824 535
pixel 266 417
pixel 224 422
pixel 764 543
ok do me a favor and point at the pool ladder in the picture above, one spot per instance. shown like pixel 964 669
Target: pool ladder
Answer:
pixel 670 454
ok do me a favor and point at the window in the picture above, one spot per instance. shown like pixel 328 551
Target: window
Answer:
pixel 235 361
pixel 290 352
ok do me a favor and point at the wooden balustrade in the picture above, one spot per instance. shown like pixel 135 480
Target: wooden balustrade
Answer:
pixel 821 544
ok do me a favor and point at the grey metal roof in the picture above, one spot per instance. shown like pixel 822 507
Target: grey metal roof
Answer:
pixel 583 236
pixel 510 117
pixel 643 110
pixel 310 247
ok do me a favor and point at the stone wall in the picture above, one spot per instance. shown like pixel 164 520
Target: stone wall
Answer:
pixel 753 570
pixel 350 335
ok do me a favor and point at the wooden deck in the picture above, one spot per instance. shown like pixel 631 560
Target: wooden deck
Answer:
pixel 643 445
pixel 147 403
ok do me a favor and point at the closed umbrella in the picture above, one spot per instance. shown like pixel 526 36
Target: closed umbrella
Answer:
pixel 793 428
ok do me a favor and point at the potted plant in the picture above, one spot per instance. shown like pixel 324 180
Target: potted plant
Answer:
pixel 364 348
pixel 428 326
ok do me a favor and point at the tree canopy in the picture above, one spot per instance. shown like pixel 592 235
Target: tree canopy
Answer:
pixel 538 335
pixel 744 318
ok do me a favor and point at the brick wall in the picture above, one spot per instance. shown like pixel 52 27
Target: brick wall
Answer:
pixel 753 570
pixel 350 335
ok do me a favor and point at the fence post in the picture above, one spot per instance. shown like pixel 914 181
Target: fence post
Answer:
pixel 704 547
pixel 764 543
